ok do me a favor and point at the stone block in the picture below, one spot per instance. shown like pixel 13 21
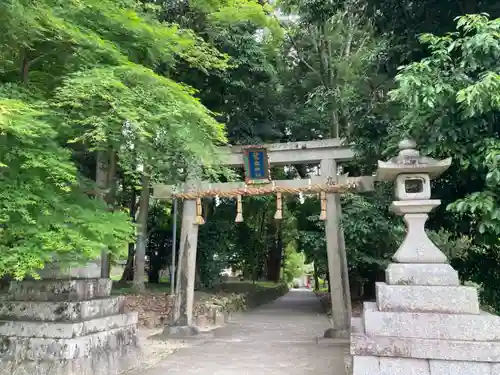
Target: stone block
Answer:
pixel 101 362
pixel 50 349
pixel 181 332
pixel 421 274
pixel 403 347
pixel 459 368
pixel 201 321
pixel 210 314
pixel 404 366
pixel 357 326
pixel 59 290
pixel 91 270
pixel 468 327
pixel 61 311
pixel 495 369
pixel 348 364
pixel 365 365
pixel 219 318
pixel 62 330
pixel 152 319
pixel 419 298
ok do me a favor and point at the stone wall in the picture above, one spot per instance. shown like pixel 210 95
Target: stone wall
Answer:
pixel 211 310
pixel 66 327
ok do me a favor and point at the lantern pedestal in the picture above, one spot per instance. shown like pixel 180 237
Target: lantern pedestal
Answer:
pixel 417 247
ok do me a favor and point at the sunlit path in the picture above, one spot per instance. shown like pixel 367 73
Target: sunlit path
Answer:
pixel 276 339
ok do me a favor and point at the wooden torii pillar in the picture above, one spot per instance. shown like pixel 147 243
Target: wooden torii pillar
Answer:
pixel 327 153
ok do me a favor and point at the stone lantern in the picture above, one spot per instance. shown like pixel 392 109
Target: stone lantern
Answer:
pixel 423 321
pixel 412 174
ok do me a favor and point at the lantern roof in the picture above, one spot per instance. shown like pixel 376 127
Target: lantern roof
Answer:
pixel 410 161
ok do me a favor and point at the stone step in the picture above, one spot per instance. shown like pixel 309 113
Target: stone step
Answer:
pixel 61 330
pixel 421 274
pixel 103 361
pixel 482 327
pixel 61 311
pixel 404 347
pixel 59 290
pixel 395 366
pixel 50 349
pixel 425 298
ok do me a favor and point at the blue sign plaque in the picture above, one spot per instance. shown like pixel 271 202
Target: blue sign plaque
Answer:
pixel 256 165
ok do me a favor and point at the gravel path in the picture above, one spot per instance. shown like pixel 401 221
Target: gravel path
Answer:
pixel 281 338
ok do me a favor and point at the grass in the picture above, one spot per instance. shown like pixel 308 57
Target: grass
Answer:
pixel 164 286
pixel 122 289
pixel 265 284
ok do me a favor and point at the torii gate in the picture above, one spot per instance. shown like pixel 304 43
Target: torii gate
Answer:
pixel 328 154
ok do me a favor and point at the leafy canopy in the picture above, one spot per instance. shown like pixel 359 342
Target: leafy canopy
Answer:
pixel 450 102
pixel 44 213
pixel 95 73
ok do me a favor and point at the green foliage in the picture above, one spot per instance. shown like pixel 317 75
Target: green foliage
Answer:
pixel 44 213
pixel 371 233
pixel 159 239
pixel 216 249
pixel 92 75
pixel 166 125
pixel 294 263
pixel 450 105
pixel 222 13
pixel 330 56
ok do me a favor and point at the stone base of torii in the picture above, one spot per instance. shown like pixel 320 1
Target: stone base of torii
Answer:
pixel 327 153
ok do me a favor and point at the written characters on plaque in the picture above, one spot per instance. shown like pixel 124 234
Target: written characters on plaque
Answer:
pixel 256 165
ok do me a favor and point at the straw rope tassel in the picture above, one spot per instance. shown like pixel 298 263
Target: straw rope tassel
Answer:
pixel 199 212
pixel 279 207
pixel 239 210
pixel 322 216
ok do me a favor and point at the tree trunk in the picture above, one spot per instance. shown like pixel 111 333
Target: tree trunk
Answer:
pixel 316 278
pixel 256 266
pixel 198 284
pixel 327 280
pixel 128 272
pixel 274 258
pixel 140 248
pixel 25 66
pixel 102 181
pixel 153 274
pixel 110 199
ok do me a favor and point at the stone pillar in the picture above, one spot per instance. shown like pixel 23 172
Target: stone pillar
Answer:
pixel 334 247
pixel 66 327
pixel 183 324
pixel 423 321
pixel 189 242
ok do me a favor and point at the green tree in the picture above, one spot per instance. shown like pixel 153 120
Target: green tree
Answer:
pixel 449 104
pixel 46 215
pixel 97 71
pixel 329 58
